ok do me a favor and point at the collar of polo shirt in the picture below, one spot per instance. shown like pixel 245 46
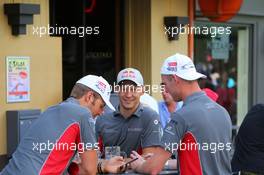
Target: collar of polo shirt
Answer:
pixel 75 101
pixel 194 96
pixel 138 112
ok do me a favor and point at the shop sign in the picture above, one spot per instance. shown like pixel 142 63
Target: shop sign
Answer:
pixel 220 46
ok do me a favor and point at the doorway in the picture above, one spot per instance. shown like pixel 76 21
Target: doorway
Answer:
pixel 100 51
pixel 224 58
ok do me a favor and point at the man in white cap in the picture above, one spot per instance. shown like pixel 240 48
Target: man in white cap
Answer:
pixel 63 130
pixel 199 134
pixel 133 126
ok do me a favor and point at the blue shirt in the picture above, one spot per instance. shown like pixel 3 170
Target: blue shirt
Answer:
pixel 164 112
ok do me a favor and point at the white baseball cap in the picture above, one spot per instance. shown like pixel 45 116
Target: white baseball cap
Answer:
pixel 130 74
pixel 99 85
pixel 182 66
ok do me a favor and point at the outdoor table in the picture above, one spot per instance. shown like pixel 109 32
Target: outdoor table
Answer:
pixel 164 172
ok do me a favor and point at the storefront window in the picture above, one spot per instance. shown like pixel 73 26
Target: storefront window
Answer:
pixel 223 57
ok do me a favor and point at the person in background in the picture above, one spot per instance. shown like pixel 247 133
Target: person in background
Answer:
pixel 249 143
pixel 227 96
pixel 211 94
pixel 167 107
pixel 150 101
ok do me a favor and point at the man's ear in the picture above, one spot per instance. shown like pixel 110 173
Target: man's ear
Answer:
pixel 89 96
pixel 175 78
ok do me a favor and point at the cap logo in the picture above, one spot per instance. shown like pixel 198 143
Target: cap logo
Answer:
pixel 101 86
pixel 172 66
pixel 128 74
pixel 188 66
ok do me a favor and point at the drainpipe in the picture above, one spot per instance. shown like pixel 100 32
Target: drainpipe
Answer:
pixel 191 11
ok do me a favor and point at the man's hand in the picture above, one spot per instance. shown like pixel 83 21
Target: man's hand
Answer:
pixel 113 165
pixel 151 165
pixel 147 156
pixel 138 162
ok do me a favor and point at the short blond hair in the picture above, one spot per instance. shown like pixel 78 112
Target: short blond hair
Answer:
pixel 79 90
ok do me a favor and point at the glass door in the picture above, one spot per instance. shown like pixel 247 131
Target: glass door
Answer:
pixel 223 55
